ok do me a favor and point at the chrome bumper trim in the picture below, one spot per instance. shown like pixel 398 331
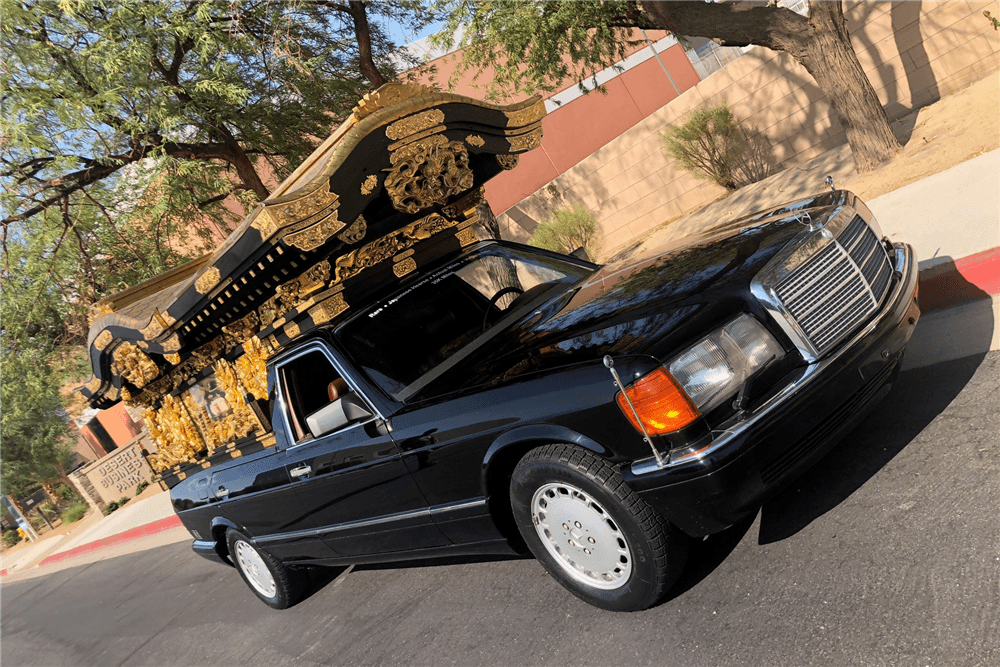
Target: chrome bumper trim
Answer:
pixel 904 259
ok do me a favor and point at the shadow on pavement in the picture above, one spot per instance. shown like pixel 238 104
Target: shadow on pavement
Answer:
pixel 917 397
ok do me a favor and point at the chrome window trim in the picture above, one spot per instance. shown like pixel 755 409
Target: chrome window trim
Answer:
pixel 903 257
pixel 434 511
pixel 309 348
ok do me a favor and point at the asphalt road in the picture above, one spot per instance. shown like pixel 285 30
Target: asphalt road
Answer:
pixel 886 553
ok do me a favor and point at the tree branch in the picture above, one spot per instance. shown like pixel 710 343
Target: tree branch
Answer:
pixel 732 23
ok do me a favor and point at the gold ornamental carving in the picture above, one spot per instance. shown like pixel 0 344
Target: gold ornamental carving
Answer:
pixel 158 323
pixel 171 344
pixel 251 367
pixel 172 429
pixel 368 186
pixel 243 328
pixel 508 162
pixel 428 173
pixel 241 421
pixel 294 292
pixel 98 308
pixel 408 265
pixel 527 141
pixel 135 365
pixel 292 330
pixel 328 309
pixel 313 237
pixel 415 123
pixel 387 95
pixel 204 423
pixel 93 384
pixel 527 115
pixel 207 280
pixel 475 140
pixel 466 205
pixel 173 358
pixel 403 255
pixel 102 340
pixel 466 236
pixel 266 224
pixel 390 245
pixel 304 206
pixel 355 232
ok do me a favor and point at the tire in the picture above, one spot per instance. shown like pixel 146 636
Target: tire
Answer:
pixel 591 532
pixel 276 585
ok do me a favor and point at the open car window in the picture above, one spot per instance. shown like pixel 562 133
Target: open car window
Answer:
pixel 411 335
pixel 309 382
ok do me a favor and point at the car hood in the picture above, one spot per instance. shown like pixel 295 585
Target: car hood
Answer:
pixel 652 306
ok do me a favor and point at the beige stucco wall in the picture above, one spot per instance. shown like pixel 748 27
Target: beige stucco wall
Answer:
pixel 117 474
pixel 912 52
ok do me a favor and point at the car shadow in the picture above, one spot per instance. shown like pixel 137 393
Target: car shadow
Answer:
pixel 918 396
pixel 705 555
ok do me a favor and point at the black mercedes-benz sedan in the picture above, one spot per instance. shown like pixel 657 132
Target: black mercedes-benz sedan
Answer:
pixel 508 398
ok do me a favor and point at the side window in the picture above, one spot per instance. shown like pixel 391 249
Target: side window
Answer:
pixel 309 382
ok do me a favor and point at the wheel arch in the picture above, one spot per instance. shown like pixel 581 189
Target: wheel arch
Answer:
pixel 220 525
pixel 503 456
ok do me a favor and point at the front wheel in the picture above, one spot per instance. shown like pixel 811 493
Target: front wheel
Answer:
pixel 276 585
pixel 591 532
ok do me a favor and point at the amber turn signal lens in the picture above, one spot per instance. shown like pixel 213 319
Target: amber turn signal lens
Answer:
pixel 662 405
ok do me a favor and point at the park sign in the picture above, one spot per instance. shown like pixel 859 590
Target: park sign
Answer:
pixel 396 186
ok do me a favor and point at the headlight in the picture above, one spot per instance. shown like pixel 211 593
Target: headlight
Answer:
pixel 716 366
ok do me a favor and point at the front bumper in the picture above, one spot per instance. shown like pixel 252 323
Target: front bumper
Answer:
pixel 755 458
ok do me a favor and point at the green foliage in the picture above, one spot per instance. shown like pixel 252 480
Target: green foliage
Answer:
pixel 115 504
pixel 74 512
pixel 134 136
pixel 534 46
pixel 566 230
pixel 140 487
pixel 713 144
pixel 66 493
pixel 10 538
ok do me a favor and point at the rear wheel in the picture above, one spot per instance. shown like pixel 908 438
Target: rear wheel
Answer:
pixel 276 585
pixel 591 532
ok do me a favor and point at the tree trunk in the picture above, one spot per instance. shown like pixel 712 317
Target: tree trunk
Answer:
pixel 829 57
pixel 364 36
pixel 820 43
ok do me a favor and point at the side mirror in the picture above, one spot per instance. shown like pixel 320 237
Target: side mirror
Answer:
pixel 345 410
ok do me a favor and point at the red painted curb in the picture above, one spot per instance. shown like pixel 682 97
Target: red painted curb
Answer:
pixel 129 535
pixel 960 281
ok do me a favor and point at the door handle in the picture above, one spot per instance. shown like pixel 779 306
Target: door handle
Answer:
pixel 302 471
pixel 223 491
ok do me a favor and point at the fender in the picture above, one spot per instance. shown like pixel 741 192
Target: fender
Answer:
pixel 541 433
pixel 223 521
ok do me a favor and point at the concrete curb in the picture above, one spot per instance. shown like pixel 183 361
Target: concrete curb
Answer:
pixel 134 533
pixel 960 281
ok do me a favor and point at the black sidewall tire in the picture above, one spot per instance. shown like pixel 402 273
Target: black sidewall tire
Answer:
pixel 287 583
pixel 646 583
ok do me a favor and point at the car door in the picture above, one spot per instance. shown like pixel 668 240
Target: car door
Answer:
pixel 255 492
pixel 350 481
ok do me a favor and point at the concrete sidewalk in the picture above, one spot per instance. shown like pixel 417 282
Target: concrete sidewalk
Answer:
pixel 96 539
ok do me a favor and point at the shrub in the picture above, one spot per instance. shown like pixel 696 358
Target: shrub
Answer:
pixel 141 487
pixel 74 512
pixel 115 504
pixel 713 144
pixel 566 230
pixel 10 538
pixel 66 493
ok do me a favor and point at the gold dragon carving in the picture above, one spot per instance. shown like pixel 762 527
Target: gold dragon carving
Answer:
pixel 526 141
pixel 428 172
pixel 475 140
pixel 243 328
pixel 135 365
pixel 355 262
pixel 507 162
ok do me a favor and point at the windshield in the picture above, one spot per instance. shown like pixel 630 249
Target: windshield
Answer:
pixel 412 337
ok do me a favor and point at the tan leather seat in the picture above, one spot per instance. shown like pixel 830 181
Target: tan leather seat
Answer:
pixel 337 389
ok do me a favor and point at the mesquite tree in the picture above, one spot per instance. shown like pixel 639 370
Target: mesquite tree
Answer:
pixel 537 45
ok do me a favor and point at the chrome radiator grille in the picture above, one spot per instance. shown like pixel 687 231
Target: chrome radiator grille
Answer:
pixel 839 288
